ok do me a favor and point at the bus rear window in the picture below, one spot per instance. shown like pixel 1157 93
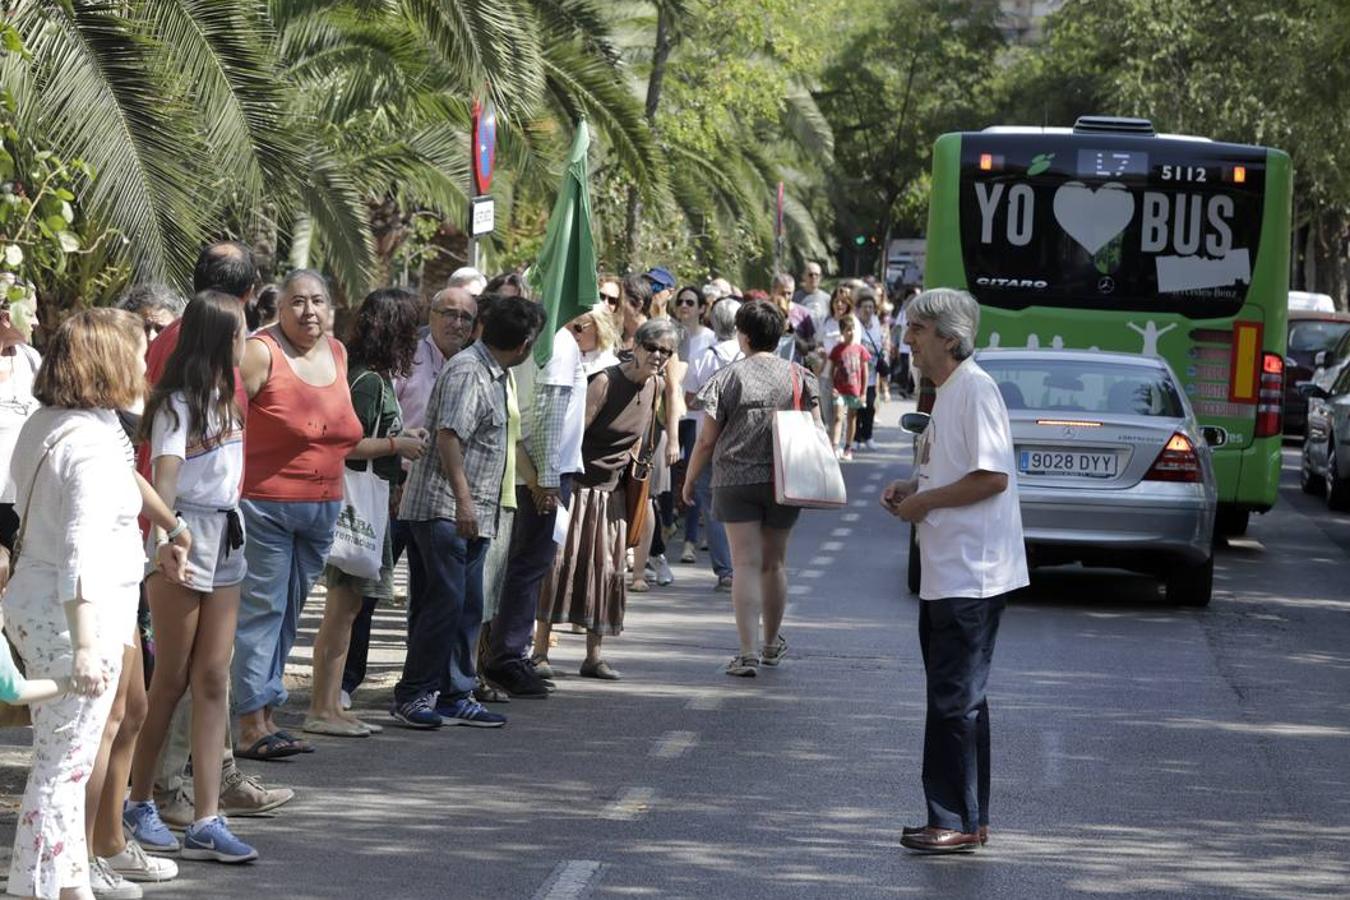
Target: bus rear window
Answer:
pixel 1110 222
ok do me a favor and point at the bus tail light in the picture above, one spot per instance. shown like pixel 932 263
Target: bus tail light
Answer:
pixel 1177 462
pixel 1270 402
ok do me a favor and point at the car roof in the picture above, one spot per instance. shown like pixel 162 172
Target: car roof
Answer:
pixel 1304 315
pixel 1083 356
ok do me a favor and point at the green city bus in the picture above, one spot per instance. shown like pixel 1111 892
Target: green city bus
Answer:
pixel 1110 236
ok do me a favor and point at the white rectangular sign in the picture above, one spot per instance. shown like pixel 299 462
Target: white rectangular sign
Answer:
pixel 484 216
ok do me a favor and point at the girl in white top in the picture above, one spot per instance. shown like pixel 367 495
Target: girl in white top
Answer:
pixel 196 433
pixel 71 604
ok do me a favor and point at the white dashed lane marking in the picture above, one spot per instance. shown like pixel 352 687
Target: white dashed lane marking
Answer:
pixel 570 880
pixel 674 744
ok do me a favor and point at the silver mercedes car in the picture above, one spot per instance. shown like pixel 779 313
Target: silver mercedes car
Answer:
pixel 1113 469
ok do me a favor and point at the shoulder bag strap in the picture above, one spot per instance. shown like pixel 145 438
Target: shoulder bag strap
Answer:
pixel 28 504
pixel 646 447
pixel 368 465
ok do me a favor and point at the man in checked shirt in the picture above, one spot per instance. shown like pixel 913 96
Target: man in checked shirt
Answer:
pixel 450 504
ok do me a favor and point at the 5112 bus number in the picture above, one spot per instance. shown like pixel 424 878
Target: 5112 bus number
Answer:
pixel 1195 174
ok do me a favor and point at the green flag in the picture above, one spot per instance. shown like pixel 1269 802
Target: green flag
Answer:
pixel 563 278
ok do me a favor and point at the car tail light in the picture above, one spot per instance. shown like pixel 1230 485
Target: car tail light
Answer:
pixel 1177 462
pixel 1270 401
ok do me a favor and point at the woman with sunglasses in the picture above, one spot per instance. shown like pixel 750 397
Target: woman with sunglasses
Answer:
pixel 586 587
pixel 597 334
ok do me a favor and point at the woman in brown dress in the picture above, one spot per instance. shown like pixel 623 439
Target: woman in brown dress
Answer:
pixel 587 587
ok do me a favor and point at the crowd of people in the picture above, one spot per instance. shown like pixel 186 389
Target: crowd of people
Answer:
pixel 181 474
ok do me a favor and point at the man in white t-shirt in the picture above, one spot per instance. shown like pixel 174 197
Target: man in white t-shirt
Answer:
pixel 552 423
pixel 963 501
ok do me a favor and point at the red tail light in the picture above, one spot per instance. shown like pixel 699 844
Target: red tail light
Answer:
pixel 1270 400
pixel 1177 462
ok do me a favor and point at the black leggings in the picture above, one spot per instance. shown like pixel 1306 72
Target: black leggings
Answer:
pixel 867 417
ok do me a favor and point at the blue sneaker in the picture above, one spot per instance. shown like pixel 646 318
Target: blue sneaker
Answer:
pixel 147 828
pixel 416 713
pixel 213 840
pixel 468 711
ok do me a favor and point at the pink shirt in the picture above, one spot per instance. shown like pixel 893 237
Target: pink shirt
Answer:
pixel 414 391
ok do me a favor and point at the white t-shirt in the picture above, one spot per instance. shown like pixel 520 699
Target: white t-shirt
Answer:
pixel 873 337
pixel 17 403
pixel 707 364
pixel 564 369
pixel 976 550
pixel 213 470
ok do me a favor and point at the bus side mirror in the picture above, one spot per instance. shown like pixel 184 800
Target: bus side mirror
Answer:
pixel 1214 436
pixel 914 423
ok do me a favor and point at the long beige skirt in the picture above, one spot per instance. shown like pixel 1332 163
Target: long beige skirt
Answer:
pixel 587 586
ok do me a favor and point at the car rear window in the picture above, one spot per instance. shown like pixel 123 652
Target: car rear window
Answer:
pixel 1313 336
pixel 1076 386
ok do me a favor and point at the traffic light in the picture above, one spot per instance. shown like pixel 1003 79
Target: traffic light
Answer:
pixel 860 240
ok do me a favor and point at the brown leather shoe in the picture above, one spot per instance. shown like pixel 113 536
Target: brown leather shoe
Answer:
pixel 916 829
pixel 940 840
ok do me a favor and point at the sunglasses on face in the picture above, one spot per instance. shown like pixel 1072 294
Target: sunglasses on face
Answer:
pixel 687 301
pixel 657 348
pixel 611 299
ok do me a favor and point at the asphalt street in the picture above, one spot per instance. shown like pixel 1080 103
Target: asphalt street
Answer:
pixel 1139 749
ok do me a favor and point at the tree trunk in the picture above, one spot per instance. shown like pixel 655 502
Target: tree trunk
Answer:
pixel 660 54
pixel 1327 255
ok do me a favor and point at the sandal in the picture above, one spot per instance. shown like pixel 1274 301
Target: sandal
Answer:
pixel 303 745
pixel 267 748
pixel 486 692
pixel 639 586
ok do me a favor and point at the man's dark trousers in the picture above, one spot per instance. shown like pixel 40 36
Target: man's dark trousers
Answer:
pixel 532 552
pixel 443 638
pixel 956 637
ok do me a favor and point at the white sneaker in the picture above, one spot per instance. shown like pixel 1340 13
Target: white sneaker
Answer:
pixel 663 574
pixel 134 864
pixel 344 700
pixel 106 883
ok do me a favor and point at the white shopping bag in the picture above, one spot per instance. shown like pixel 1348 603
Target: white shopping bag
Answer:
pixel 805 471
pixel 358 543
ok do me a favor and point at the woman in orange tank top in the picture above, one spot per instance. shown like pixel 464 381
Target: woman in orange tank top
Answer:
pixel 301 426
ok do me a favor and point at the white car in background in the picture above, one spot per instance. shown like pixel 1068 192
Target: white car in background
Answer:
pixel 1113 469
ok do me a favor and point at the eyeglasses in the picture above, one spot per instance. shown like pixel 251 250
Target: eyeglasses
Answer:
pixel 687 301
pixel 454 315
pixel 657 348
pixel 635 303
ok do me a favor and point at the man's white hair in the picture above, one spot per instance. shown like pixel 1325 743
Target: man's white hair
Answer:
pixel 954 315
pixel 469 278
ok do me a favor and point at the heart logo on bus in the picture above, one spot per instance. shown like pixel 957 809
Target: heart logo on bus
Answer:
pixel 1093 218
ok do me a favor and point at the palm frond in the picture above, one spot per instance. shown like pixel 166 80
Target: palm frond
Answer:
pixel 580 84
pixel 220 53
pixel 338 216
pixel 488 46
pixel 93 99
pixel 807 124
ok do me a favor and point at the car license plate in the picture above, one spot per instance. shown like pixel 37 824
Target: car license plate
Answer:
pixel 1073 463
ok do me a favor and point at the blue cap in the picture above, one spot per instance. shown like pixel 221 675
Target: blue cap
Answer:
pixel 661 279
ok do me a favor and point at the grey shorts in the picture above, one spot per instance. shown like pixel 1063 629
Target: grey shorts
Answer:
pixel 211 562
pixel 752 503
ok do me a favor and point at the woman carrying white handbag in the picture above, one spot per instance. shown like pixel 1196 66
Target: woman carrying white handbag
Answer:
pixel 380 344
pixel 743 404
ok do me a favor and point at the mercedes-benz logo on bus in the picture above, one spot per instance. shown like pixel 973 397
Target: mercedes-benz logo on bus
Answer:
pixel 1106 284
